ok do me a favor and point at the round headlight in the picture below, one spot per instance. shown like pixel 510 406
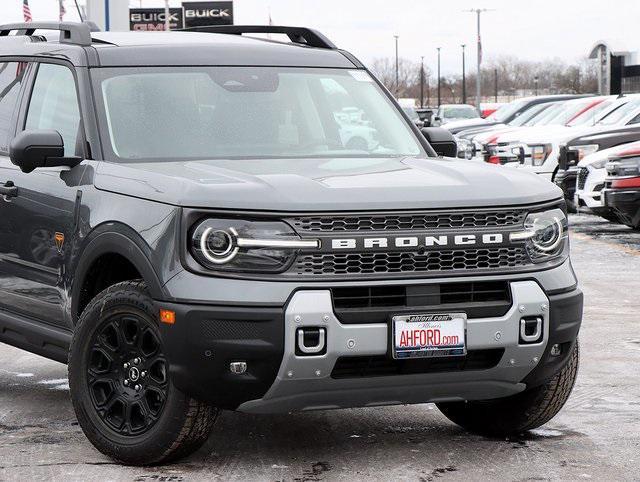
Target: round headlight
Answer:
pixel 218 246
pixel 545 235
pixel 548 234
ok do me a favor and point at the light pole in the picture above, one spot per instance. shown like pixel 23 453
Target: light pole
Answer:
pixel 464 78
pixel 535 83
pixel 478 11
pixel 438 49
pixel 422 81
pixel 167 19
pixel 397 74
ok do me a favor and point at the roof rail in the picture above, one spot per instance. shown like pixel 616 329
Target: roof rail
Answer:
pixel 298 35
pixel 75 33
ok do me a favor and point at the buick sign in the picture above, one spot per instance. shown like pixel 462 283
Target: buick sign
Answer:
pixel 150 19
pixel 201 14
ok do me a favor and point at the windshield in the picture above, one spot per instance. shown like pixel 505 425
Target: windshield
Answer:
pixel 459 113
pixel 616 116
pixel 570 110
pixel 411 112
pixel 173 113
pixel 547 115
pixel 507 111
pixel 529 115
pixel 591 115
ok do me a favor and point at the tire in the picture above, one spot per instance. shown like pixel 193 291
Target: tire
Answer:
pixel 132 413
pixel 518 413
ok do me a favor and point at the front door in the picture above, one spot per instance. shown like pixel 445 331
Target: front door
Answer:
pixel 39 220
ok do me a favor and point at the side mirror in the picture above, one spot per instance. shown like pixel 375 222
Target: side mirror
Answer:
pixel 441 140
pixel 32 149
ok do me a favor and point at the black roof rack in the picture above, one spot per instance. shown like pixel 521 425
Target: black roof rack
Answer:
pixel 298 35
pixel 75 33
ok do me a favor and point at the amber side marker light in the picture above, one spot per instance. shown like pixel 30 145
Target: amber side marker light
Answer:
pixel 168 317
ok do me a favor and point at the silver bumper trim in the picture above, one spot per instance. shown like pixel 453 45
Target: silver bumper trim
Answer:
pixel 305 383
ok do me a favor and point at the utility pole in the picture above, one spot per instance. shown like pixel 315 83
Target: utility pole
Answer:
pixel 535 83
pixel 438 49
pixel 495 84
pixel 422 81
pixel 167 16
pixel 478 11
pixel 397 73
pixel 464 78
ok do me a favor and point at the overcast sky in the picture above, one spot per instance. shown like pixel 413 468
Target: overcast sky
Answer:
pixel 532 29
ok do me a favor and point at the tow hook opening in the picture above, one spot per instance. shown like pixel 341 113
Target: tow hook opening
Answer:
pixel 311 341
pixel 531 330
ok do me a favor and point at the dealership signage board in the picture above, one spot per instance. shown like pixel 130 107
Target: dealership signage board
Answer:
pixel 199 14
pixel 153 18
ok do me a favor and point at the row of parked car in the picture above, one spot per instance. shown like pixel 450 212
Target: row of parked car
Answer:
pixel 587 145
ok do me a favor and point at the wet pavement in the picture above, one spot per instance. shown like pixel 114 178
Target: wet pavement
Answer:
pixel 596 436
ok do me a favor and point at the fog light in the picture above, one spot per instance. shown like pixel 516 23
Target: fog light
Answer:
pixel 238 367
pixel 556 350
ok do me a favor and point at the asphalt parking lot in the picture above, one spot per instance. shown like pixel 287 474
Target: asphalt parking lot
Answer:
pixel 596 436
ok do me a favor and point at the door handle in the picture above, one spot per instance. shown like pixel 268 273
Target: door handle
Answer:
pixel 8 189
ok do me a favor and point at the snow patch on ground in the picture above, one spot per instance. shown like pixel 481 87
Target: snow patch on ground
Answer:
pixel 547 432
pixel 55 381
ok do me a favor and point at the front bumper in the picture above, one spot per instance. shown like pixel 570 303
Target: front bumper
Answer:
pixel 205 339
pixel 626 203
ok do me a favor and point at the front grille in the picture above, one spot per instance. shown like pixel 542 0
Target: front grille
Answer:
pixel 410 262
pixel 401 222
pixel 377 304
pixel 582 177
pixel 380 366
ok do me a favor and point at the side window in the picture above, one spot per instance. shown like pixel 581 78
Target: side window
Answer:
pixel 54 104
pixel 11 74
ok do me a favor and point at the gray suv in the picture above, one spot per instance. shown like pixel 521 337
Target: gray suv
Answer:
pixel 186 222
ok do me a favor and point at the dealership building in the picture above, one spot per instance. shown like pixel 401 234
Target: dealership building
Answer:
pixel 618 67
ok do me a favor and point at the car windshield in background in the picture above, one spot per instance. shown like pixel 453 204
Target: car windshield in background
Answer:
pixel 173 113
pixel 618 115
pixel 506 111
pixel 411 112
pixel 460 113
pixel 590 116
pixel 529 115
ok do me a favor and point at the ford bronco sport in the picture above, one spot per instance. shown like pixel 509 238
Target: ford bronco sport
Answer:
pixel 184 223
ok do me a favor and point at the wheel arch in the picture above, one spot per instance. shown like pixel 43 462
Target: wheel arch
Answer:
pixel 112 241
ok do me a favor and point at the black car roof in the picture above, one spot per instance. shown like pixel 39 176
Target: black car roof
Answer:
pixel 176 48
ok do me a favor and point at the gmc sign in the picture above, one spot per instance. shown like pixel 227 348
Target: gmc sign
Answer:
pixel 150 19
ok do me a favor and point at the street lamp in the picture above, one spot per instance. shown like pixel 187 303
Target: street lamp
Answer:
pixel 478 11
pixel 464 78
pixel 438 49
pixel 535 83
pixel 397 74
pixel 422 81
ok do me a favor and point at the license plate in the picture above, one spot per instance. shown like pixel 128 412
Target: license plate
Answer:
pixel 429 335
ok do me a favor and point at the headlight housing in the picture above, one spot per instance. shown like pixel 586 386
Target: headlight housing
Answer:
pixel 584 150
pixel 237 245
pixel 539 153
pixel 546 234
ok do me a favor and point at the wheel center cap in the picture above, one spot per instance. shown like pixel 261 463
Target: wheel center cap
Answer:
pixel 134 374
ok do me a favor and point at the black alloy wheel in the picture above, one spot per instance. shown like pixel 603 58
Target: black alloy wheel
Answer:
pixel 127 374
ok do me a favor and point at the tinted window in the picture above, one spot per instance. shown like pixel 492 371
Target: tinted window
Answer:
pixel 11 74
pixel 54 104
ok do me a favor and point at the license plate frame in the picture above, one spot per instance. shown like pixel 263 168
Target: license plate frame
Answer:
pixel 457 326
